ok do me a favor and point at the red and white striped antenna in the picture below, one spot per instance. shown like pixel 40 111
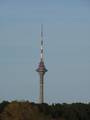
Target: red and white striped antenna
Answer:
pixel 41 42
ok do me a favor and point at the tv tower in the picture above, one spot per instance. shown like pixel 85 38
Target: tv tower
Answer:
pixel 41 70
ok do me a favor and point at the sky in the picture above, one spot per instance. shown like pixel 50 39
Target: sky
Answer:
pixel 66 26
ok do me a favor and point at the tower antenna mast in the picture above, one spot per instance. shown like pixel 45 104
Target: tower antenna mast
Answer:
pixel 42 42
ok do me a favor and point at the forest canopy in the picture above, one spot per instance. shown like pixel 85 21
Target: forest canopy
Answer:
pixel 25 110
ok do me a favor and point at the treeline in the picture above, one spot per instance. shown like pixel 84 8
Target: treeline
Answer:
pixel 30 111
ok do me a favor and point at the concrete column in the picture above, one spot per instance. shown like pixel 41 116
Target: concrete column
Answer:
pixel 41 88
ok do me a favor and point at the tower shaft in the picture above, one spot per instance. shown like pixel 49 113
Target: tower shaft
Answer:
pixel 41 99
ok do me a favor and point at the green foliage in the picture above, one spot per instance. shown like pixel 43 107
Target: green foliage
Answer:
pixel 30 111
pixel 3 105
